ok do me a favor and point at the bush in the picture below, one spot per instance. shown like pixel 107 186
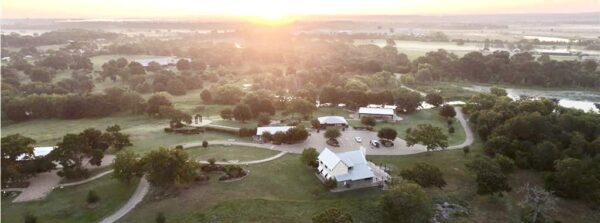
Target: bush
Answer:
pixel 160 218
pixel 507 165
pixel 30 218
pixel 204 143
pixel 330 184
pixel 309 157
pixel 212 161
pixel 466 150
pixel 332 215
pixel 179 147
pixel 425 175
pixel 451 130
pixel 369 121
pixel 245 132
pixel 92 197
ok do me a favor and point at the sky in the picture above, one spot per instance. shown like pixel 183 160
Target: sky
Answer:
pixel 277 9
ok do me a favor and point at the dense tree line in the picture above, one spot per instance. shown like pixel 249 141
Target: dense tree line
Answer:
pixel 540 135
pixel 55 37
pixel 501 67
pixel 71 106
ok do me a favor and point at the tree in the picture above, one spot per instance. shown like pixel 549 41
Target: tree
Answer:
pixel 167 167
pixel 175 87
pixel 14 146
pixel 575 178
pixel 368 120
pixel 428 135
pixel 70 152
pixel 227 94
pixel 183 64
pixel 126 166
pixel 155 102
pixel 498 91
pixel 309 157
pixel 136 68
pixel 507 165
pixel 434 99
pixel 332 215
pixel 226 113
pixel 263 119
pixel 242 112
pixel 332 133
pixel 387 133
pixel 42 74
pixel 407 101
pixel 296 134
pixel 153 66
pixel 425 175
pixel 92 197
pixel 301 106
pixel 206 96
pixel 407 202
pixel 489 176
pixel 447 111
pixel 536 201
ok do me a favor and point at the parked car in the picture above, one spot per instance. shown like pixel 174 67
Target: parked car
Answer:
pixel 358 139
pixel 374 143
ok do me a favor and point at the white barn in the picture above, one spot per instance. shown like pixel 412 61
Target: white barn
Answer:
pixel 332 121
pixel 344 167
pixel 377 113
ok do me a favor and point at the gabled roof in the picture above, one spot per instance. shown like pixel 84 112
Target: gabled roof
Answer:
pixel 329 158
pixel 272 129
pixel 353 158
pixel 358 172
pixel 376 111
pixel 332 120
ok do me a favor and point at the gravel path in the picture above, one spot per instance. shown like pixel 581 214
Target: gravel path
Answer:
pixel 136 198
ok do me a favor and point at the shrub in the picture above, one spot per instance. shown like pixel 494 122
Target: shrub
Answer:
pixel 30 218
pixel 309 157
pixel 179 147
pixel 204 143
pixel 160 218
pixel 332 215
pixel 466 150
pixel 451 130
pixel 425 175
pixel 330 184
pixel 212 161
pixel 507 165
pixel 92 197
pixel 369 121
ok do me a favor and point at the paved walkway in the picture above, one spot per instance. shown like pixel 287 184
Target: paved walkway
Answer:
pixel 136 198
pixel 43 183
pixel 87 180
pixel 249 162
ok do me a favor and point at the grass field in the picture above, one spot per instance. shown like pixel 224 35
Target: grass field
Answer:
pixel 146 133
pixel 225 153
pixel 69 204
pixel 236 124
pixel 286 191
pixel 328 111
pixel 283 190
pixel 427 116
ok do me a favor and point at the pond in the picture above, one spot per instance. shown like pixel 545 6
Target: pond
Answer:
pixel 584 100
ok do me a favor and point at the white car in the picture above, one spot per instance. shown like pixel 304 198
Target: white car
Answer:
pixel 358 139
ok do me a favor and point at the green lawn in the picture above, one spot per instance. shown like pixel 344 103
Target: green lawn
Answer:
pixel 146 133
pixel 222 152
pixel 328 111
pixel 428 116
pixel 69 204
pixel 283 190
